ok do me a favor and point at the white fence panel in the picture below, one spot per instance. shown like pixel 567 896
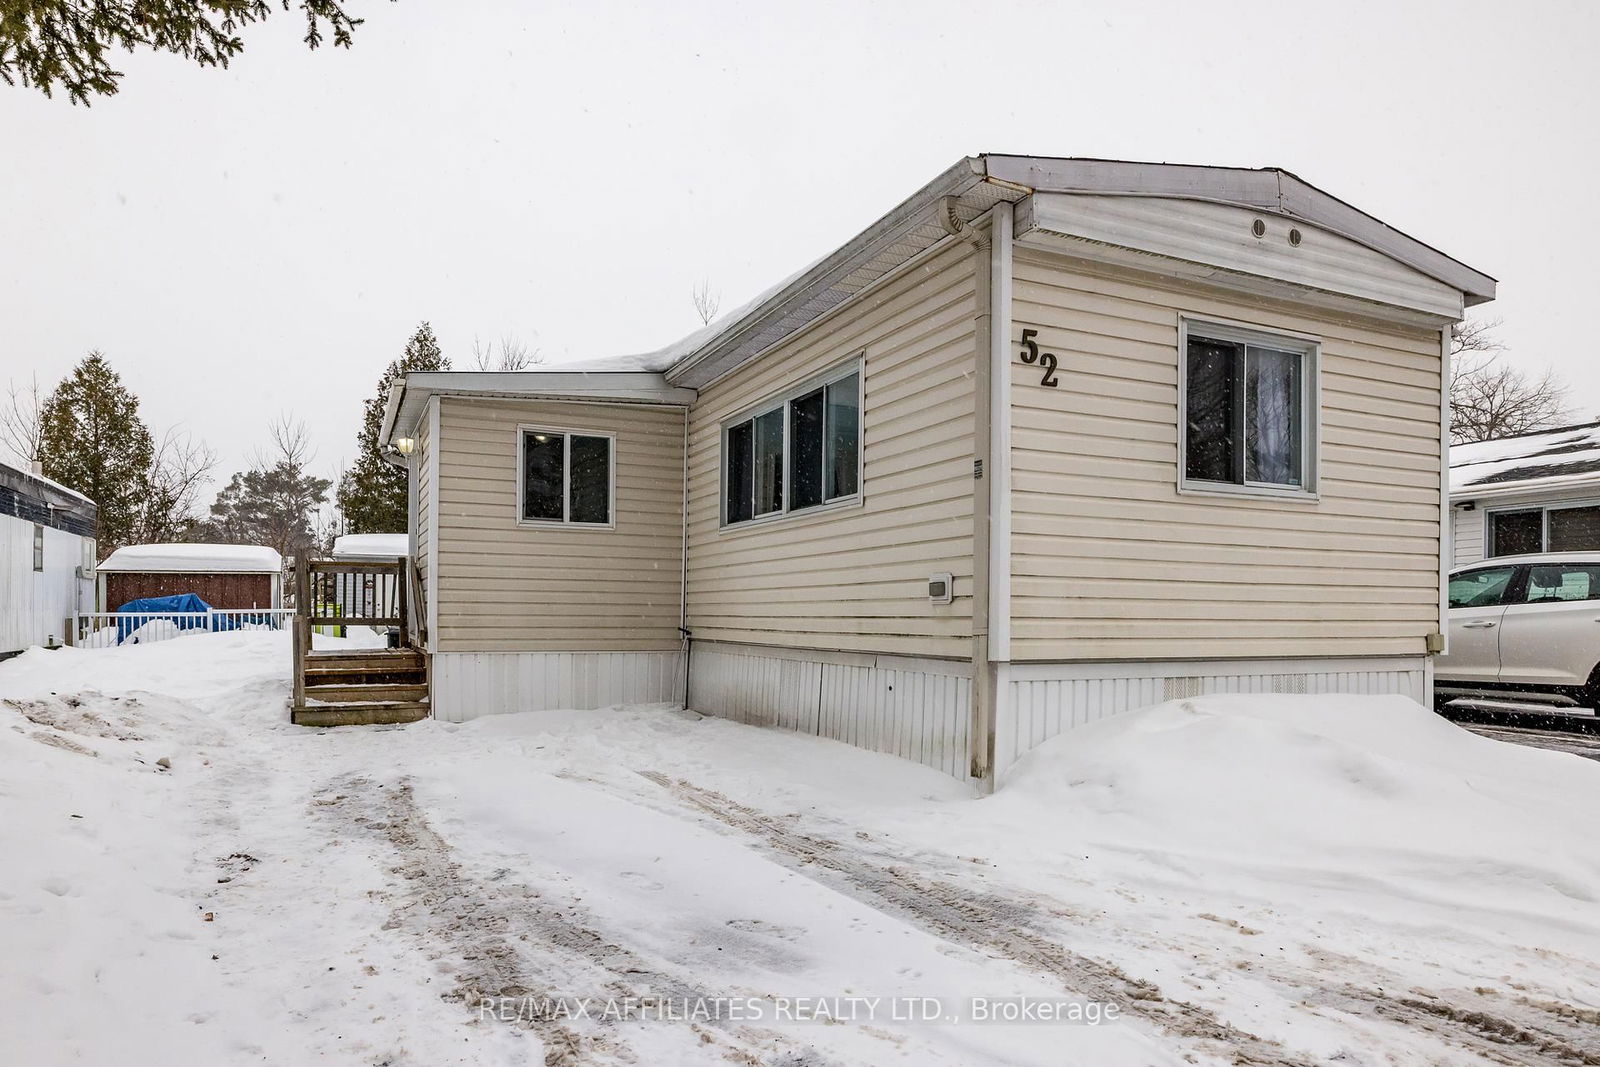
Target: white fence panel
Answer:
pixel 107 629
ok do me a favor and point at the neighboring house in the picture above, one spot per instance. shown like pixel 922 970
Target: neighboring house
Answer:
pixel 224 576
pixel 46 559
pixel 1535 492
pixel 1051 440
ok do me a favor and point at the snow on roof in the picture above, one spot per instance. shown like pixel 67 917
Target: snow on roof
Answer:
pixel 195 559
pixel 52 483
pixel 372 546
pixel 1565 454
pixel 661 359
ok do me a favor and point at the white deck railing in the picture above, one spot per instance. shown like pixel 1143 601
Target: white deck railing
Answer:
pixel 106 629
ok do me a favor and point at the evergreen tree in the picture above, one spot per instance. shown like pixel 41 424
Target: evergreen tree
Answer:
pixel 275 502
pixel 68 43
pixel 93 440
pixel 372 493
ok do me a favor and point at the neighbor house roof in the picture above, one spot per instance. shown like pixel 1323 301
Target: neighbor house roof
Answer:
pixel 194 559
pixel 1566 457
pixel 35 498
pixel 372 546
pixel 961 194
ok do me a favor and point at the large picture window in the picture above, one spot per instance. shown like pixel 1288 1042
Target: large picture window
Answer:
pixel 565 477
pixel 1565 528
pixel 1247 410
pixel 798 452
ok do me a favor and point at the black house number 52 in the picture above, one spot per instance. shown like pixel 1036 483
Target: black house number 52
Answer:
pixel 1032 355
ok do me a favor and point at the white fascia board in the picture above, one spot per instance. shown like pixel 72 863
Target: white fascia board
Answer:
pixel 610 387
pixel 1534 490
pixel 1271 190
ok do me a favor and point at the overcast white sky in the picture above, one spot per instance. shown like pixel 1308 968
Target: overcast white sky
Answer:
pixel 264 239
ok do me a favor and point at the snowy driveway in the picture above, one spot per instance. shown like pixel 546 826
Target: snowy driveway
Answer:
pixel 1235 889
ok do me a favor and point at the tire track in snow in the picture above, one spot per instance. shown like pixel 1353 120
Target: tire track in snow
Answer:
pixel 507 940
pixel 990 922
pixel 1011 927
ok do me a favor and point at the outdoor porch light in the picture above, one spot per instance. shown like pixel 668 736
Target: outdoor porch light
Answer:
pixel 405 445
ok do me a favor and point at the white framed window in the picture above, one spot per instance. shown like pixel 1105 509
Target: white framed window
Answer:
pixel 1247 410
pixel 565 477
pixel 797 452
pixel 38 547
pixel 1565 527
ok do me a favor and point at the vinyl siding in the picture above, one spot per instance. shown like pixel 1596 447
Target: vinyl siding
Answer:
pixel 1468 536
pixel 36 604
pixel 504 587
pixel 1109 561
pixel 854 578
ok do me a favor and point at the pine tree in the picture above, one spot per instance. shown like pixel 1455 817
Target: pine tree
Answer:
pixel 274 503
pixel 46 43
pixel 94 441
pixel 372 493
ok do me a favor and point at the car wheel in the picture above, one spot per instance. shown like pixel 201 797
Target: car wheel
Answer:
pixel 1589 695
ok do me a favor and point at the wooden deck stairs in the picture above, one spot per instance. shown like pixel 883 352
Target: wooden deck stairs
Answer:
pixel 358 686
pixel 366 687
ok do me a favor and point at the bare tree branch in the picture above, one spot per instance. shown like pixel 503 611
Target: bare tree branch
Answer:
pixel 22 421
pixel 1489 397
pixel 512 354
pixel 706 302
pixel 179 469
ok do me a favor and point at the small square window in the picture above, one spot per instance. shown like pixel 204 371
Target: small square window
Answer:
pixel 565 478
pixel 1246 410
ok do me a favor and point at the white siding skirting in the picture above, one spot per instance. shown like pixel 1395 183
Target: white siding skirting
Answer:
pixel 918 709
pixel 467 685
pixel 1039 700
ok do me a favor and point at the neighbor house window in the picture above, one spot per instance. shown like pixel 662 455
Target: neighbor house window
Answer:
pixel 797 452
pixel 1248 416
pixel 38 547
pixel 1564 528
pixel 565 477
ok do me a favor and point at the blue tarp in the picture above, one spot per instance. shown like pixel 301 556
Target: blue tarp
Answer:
pixel 185 611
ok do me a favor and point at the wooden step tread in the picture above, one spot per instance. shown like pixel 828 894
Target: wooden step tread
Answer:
pixel 361 693
pixel 359 675
pixel 385 656
pixel 370 714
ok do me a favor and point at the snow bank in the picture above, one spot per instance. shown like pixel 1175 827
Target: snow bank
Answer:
pixel 196 558
pixel 1331 789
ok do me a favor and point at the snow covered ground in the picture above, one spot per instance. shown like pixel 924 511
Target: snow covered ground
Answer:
pixel 189 879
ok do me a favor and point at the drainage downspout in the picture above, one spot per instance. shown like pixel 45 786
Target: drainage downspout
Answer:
pixel 683 576
pixel 981 749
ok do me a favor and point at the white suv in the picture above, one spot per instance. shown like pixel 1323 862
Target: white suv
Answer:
pixel 1524 627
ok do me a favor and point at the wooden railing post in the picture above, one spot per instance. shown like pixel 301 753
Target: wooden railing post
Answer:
pixel 302 643
pixel 402 602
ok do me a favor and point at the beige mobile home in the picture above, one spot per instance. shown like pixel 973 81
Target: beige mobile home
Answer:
pixel 1051 440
